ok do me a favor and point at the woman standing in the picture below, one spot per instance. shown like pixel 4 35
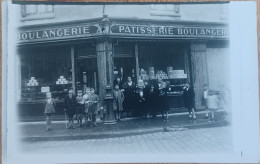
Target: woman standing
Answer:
pixel 153 98
pixel 141 103
pixel 162 100
pixel 129 92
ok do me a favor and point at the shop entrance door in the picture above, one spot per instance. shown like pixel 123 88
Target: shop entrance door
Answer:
pixel 86 73
pixel 124 67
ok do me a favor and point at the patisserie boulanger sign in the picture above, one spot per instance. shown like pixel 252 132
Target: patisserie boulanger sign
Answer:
pixel 170 31
pixel 121 30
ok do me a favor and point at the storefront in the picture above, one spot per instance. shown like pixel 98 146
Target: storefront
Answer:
pixel 56 57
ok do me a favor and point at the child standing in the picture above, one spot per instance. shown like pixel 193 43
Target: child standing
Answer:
pixel 210 101
pixel 49 110
pixel 118 102
pixel 80 107
pixel 92 106
pixel 188 97
pixel 86 104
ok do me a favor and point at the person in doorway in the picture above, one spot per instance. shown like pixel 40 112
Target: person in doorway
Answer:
pixel 70 103
pixel 118 82
pixel 86 106
pixel 118 102
pixel 153 100
pixel 80 107
pixel 93 106
pixel 49 109
pixel 188 97
pixel 146 91
pixel 129 92
pixel 141 102
pixel 162 99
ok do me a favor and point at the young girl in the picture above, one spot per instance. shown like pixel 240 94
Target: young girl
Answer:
pixel 92 107
pixel 80 107
pixel 49 110
pixel 118 102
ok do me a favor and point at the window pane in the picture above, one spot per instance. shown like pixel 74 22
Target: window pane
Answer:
pixel 50 8
pixel 170 7
pixel 41 8
pixel 30 9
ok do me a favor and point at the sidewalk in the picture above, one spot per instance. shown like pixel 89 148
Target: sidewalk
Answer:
pixel 35 131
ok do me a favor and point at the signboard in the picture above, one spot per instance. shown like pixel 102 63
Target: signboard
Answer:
pixel 45 89
pixel 37 34
pixel 177 74
pixel 58 33
pixel 169 31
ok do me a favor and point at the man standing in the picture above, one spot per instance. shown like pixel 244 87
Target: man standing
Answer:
pixel 188 96
pixel 70 105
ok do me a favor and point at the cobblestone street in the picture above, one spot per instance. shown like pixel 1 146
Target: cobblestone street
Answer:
pixel 204 140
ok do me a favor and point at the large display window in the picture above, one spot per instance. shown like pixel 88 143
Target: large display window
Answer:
pixel 45 69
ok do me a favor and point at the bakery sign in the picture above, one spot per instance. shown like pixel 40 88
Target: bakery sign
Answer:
pixel 58 33
pixel 119 30
pixel 169 31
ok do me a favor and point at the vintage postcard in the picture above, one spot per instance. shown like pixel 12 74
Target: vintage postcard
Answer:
pixel 130 82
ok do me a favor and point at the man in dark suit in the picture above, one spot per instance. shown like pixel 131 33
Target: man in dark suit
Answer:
pixel 70 105
pixel 188 96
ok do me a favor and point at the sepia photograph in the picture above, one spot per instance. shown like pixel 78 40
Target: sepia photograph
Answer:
pixel 129 81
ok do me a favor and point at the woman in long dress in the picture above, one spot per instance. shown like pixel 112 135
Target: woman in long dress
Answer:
pixel 129 92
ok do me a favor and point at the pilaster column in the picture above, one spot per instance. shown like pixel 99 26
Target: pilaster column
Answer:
pixel 199 70
pixel 105 76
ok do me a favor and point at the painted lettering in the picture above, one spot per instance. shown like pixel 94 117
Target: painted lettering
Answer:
pixel 59 32
pixel 121 28
pixel 74 31
pixel 161 31
pixel 66 32
pixel 85 30
pixel 31 35
pixel 52 33
pixel 127 29
pixel 45 34
pixel 142 30
pixel 37 35
pixel 24 36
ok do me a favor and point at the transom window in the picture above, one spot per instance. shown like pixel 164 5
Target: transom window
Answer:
pixel 37 11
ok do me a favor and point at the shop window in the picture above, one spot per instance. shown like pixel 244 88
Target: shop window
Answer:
pixel 172 10
pixel 37 11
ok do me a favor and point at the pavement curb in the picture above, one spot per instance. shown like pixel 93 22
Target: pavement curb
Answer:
pixel 114 134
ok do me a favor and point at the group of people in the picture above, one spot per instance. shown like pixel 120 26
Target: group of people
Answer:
pixel 141 99
pixel 79 107
pixel 138 100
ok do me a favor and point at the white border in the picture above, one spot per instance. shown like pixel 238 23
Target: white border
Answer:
pixel 245 101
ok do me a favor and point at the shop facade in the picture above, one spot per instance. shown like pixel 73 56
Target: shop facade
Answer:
pixel 91 53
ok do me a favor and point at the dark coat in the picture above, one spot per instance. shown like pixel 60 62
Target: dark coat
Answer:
pixel 153 100
pixel 188 97
pixel 80 105
pixel 141 104
pixel 162 100
pixel 129 94
pixel 70 105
